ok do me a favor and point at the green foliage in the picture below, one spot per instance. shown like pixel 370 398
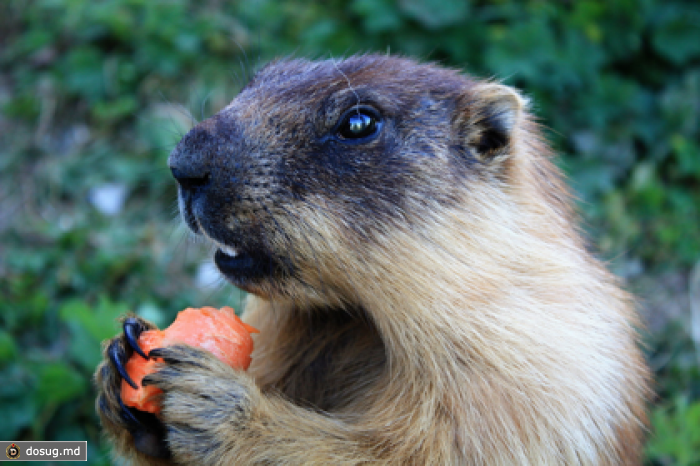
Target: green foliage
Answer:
pixel 85 106
pixel 675 358
pixel 677 439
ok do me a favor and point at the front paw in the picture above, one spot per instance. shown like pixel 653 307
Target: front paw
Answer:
pixel 203 399
pixel 199 387
pixel 127 426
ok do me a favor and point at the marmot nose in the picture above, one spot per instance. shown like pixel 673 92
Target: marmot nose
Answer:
pixel 191 180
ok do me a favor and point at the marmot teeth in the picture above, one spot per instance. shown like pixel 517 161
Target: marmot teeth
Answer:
pixel 228 250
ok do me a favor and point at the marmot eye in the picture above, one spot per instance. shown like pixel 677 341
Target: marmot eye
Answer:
pixel 358 124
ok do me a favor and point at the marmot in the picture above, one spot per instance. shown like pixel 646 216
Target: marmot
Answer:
pixel 422 292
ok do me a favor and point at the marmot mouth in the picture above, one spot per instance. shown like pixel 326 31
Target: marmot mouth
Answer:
pixel 239 264
pixel 244 268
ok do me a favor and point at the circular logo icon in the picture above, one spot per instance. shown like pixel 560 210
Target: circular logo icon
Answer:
pixel 12 452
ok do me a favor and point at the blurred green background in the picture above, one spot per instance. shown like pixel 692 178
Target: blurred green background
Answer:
pixel 94 94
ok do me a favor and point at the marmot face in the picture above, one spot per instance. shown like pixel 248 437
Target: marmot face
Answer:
pixel 315 160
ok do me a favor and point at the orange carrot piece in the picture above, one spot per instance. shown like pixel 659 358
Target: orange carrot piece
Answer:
pixel 219 331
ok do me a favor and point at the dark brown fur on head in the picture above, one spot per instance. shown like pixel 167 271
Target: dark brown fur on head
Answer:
pixel 275 148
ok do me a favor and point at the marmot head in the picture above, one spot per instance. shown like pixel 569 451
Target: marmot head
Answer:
pixel 314 162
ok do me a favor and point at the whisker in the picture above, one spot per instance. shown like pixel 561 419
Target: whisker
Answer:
pixel 352 89
pixel 204 102
pixel 217 287
pixel 186 113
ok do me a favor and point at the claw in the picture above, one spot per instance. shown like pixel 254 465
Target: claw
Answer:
pixel 115 355
pixel 178 355
pixel 156 352
pixel 132 330
pixel 147 431
pixel 128 417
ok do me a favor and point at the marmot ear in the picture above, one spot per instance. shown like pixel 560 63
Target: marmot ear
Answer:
pixel 488 115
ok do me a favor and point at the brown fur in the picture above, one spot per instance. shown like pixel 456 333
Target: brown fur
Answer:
pixel 432 303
